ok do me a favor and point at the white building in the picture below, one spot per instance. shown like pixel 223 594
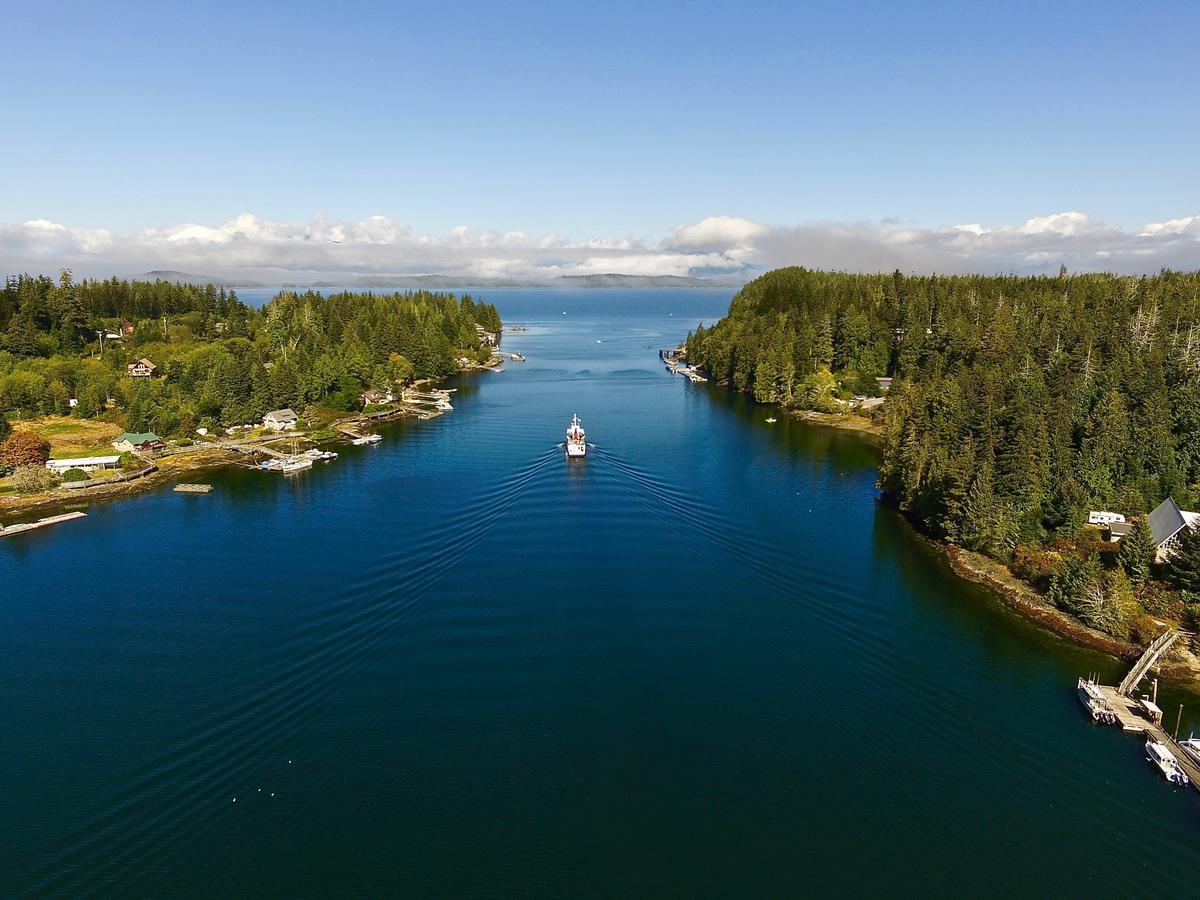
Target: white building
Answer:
pixel 83 463
pixel 280 420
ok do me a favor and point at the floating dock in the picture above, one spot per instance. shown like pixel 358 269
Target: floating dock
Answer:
pixel 182 488
pixel 1141 715
pixel 6 531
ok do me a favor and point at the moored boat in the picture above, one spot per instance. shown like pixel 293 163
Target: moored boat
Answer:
pixel 367 439
pixel 295 464
pixel 576 439
pixel 1161 757
pixel 1094 701
pixel 1191 747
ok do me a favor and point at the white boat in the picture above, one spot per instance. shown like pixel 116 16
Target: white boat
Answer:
pixel 518 357
pixel 576 439
pixel 771 420
pixel 1094 701
pixel 295 464
pixel 314 453
pixel 367 439
pixel 1191 747
pixel 1160 755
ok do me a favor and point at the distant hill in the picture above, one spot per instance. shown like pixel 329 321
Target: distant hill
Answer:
pixel 608 280
pixel 614 280
pixel 187 278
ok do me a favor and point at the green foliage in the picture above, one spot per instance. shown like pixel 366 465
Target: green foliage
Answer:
pixel 222 362
pixel 75 475
pixel 1136 556
pixel 33 479
pixel 1183 566
pixel 1019 403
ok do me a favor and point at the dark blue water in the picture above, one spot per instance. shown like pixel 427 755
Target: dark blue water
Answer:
pixel 703 661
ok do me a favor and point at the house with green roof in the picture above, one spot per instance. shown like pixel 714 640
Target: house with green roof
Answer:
pixel 142 442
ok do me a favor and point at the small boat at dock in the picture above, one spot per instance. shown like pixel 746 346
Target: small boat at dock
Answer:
pixel 1160 756
pixel 518 357
pixel 367 439
pixel 294 464
pixel 1094 702
pixel 1191 747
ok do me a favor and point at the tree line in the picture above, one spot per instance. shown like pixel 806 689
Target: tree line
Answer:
pixel 1018 404
pixel 220 361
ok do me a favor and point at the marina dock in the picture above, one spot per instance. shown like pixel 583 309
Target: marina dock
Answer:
pixel 7 531
pixel 1140 714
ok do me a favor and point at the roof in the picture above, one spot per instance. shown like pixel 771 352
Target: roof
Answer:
pixel 82 461
pixel 144 362
pixel 1165 521
pixel 1121 528
pixel 281 415
pixel 137 439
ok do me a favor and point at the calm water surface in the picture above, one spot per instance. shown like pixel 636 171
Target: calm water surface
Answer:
pixel 704 661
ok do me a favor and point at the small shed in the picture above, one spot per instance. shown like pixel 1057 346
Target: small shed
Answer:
pixel 1118 530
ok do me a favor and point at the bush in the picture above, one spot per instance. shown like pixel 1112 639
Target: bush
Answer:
pixel 1035 566
pixel 75 475
pixel 33 479
pixel 24 448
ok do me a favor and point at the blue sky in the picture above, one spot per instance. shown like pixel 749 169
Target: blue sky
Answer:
pixel 599 120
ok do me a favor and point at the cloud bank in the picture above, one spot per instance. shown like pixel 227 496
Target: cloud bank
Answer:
pixel 723 246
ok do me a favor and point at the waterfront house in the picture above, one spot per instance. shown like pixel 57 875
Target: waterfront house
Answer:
pixel 139 442
pixel 280 420
pixel 884 383
pixel 487 337
pixel 1103 517
pixel 373 396
pixel 83 463
pixel 143 368
pixel 1167 522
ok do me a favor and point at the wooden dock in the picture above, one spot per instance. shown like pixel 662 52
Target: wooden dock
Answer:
pixel 1141 715
pixel 20 528
pixel 184 488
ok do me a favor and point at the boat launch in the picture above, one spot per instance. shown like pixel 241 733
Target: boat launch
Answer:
pixel 576 439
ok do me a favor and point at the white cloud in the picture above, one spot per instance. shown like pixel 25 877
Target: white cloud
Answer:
pixel 252 247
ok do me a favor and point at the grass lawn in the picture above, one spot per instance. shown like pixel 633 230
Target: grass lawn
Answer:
pixel 73 437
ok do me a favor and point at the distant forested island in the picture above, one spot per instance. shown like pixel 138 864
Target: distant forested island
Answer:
pixel 605 280
pixel 169 358
pixel 1017 406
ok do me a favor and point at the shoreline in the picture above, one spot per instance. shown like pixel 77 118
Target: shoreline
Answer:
pixel 844 421
pixel 1183 667
pixel 177 463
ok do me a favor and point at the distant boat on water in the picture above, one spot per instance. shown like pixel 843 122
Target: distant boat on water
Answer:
pixel 367 439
